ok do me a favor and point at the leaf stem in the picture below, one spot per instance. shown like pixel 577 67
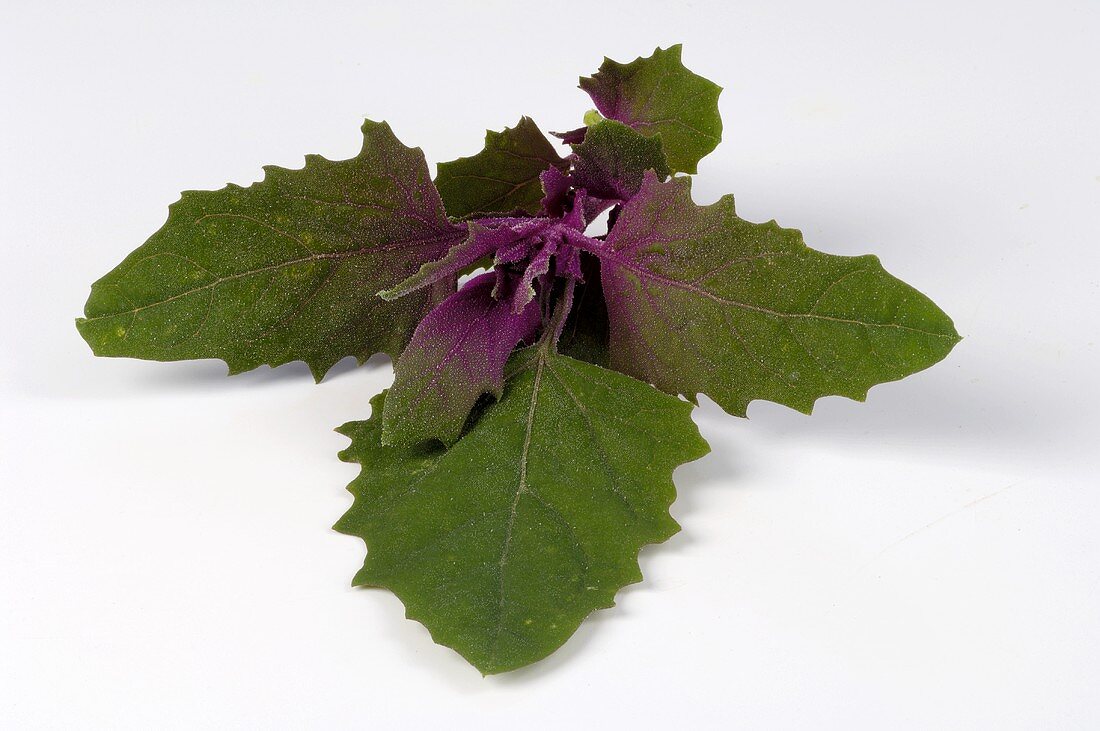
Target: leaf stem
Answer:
pixel 561 313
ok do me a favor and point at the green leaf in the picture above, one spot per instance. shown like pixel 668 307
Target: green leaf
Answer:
pixel 285 269
pixel 503 177
pixel 503 543
pixel 612 159
pixel 657 95
pixel 701 301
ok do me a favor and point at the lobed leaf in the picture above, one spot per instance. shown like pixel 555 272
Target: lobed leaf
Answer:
pixel 659 96
pixel 701 301
pixel 285 269
pixel 502 544
pixel 503 177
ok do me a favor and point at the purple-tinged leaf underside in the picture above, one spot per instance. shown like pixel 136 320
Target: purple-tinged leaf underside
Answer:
pixel 456 355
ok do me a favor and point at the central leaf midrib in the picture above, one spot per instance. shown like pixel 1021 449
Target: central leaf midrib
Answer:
pixel 521 487
pixel 321 256
pixel 648 274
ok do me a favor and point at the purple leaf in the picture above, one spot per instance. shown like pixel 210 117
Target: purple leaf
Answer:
pixel 456 354
pixel 557 186
pixel 538 266
pixel 562 201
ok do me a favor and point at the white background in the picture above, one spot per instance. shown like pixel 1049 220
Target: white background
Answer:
pixel 929 559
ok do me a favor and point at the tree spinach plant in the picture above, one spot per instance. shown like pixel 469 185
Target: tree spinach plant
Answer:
pixel 545 376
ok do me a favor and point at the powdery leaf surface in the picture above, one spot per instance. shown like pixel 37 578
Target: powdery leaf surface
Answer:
pixel 701 301
pixel 456 354
pixel 285 269
pixel 502 544
pixel 611 161
pixel 657 95
pixel 503 177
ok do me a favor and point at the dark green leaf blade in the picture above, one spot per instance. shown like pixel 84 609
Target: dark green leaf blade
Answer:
pixel 658 95
pixel 701 301
pixel 612 159
pixel 502 544
pixel 285 269
pixel 503 177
